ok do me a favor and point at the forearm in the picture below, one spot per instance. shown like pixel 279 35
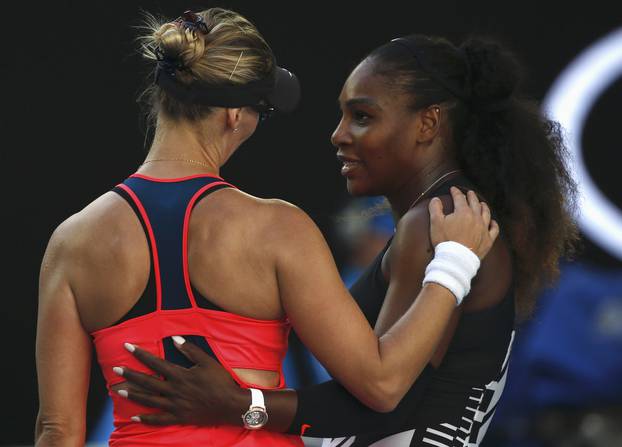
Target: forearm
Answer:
pixel 282 407
pixel 377 371
pixel 329 410
pixel 407 347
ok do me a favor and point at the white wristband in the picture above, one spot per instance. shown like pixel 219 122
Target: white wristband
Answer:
pixel 453 267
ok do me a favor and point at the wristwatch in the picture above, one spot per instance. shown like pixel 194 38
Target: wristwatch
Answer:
pixel 256 416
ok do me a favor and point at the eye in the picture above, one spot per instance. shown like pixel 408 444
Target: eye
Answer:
pixel 361 117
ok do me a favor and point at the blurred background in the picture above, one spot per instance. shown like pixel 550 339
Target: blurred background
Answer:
pixel 72 130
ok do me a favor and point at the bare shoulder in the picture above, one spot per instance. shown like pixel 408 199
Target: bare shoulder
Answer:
pixel 413 229
pixel 411 248
pixel 90 228
pixel 271 219
pixel 290 224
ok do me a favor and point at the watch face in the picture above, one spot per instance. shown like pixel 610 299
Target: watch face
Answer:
pixel 255 418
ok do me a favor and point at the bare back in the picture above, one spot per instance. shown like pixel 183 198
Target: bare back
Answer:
pixel 230 260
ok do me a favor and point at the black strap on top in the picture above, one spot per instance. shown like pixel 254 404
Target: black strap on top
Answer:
pixel 147 302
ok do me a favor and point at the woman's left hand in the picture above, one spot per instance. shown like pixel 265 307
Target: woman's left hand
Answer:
pixel 202 395
pixel 470 223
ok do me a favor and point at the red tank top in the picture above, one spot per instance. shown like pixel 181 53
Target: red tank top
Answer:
pixel 164 208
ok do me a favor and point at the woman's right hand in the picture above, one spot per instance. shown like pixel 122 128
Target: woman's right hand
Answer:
pixel 470 224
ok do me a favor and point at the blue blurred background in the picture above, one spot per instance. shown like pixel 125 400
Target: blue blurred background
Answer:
pixel 73 130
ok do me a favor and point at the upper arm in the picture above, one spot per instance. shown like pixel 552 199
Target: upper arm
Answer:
pixel 63 349
pixel 320 308
pixel 411 251
pixel 328 321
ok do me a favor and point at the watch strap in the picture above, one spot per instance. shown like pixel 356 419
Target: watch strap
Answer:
pixel 257 399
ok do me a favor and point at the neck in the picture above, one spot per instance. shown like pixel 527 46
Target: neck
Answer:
pixel 420 183
pixel 179 148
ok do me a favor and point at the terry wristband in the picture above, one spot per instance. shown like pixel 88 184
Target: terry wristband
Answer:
pixel 453 267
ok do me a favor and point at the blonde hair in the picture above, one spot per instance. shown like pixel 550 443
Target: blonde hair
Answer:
pixel 232 52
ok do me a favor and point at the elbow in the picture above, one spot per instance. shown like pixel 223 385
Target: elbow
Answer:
pixel 383 406
pixel 383 396
pixel 51 432
pixel 384 403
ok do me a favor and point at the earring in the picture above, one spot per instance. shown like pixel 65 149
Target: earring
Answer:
pixel 236 129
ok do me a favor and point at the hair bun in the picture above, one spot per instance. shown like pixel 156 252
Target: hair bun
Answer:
pixel 179 43
pixel 494 73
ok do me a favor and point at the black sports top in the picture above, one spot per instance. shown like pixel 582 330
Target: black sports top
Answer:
pixel 448 406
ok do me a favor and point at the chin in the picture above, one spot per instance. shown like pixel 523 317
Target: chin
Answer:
pixel 357 188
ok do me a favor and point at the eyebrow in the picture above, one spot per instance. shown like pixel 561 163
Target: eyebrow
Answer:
pixel 362 100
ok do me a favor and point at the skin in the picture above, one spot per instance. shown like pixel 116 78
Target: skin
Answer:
pixel 387 150
pixel 96 266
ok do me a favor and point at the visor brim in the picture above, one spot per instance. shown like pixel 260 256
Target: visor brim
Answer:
pixel 286 94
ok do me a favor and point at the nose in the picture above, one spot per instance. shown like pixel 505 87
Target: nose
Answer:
pixel 341 136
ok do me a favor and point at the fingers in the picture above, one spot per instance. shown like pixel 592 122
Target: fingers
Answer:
pixel 146 399
pixel 493 231
pixel 486 214
pixel 167 369
pixel 474 202
pixel 158 419
pixel 195 354
pixel 129 386
pixel 487 242
pixel 145 381
pixel 436 210
pixel 460 200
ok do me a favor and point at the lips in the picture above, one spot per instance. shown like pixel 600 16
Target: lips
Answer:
pixel 350 164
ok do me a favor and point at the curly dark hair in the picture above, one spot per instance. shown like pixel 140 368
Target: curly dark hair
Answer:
pixel 514 155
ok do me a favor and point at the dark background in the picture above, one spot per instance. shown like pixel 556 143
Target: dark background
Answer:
pixel 72 129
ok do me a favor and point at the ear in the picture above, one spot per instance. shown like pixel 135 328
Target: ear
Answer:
pixel 234 118
pixel 429 123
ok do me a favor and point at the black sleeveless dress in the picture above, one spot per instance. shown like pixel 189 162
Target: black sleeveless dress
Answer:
pixel 448 406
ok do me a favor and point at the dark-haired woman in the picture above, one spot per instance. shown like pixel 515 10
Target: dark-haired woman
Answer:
pixel 421 115
pixel 176 253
